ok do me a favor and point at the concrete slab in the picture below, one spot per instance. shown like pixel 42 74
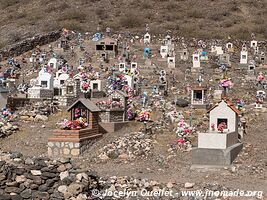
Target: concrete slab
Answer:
pixel 215 157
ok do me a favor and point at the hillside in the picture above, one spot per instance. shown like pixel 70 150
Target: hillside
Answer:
pixel 202 19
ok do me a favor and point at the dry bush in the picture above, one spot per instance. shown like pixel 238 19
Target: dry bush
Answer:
pixel 72 25
pixel 101 13
pixel 132 20
pixel 7 3
pixel 73 15
pixel 194 13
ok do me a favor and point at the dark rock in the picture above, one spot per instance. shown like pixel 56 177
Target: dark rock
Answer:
pixel 48 175
pixel 42 188
pixel 67 181
pixel 16 155
pixel 26 193
pixel 20 171
pixel 34 187
pixel 12 189
pixel 50 182
pixel 5 197
pixel 40 162
pixel 40 195
pixel 2 163
pixel 181 102
pixel 16 197
pixel 56 196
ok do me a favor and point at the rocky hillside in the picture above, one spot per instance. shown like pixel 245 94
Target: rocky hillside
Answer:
pixel 190 18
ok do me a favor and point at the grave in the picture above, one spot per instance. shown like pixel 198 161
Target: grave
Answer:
pixel 196 60
pixel 98 88
pixel 53 63
pixel 74 142
pixel 147 38
pixel 44 87
pixel 224 59
pixel 69 92
pixel 198 97
pixel 164 51
pixel 184 55
pixel 218 50
pixel 107 45
pixel 260 96
pixel 244 56
pixel 171 62
pixel 253 44
pixel 113 115
pixel 219 146
pixel 230 47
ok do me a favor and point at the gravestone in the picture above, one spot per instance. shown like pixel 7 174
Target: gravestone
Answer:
pixel 244 56
pixel 147 38
pixel 171 62
pixel 219 146
pixel 196 60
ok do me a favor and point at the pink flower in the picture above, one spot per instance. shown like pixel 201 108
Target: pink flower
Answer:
pixel 181 141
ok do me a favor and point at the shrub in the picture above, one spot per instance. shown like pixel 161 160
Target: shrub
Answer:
pixel 74 15
pixel 131 20
pixel 7 3
pixel 193 13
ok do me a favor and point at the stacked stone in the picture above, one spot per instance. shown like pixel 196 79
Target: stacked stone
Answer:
pixel 127 147
pixel 7 129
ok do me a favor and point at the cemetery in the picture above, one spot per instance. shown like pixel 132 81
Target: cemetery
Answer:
pixel 84 111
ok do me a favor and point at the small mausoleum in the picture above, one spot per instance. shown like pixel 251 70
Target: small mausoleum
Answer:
pixel 219 146
pixel 198 97
pixel 74 141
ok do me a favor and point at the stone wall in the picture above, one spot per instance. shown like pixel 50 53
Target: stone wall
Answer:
pixel 71 143
pixel 29 44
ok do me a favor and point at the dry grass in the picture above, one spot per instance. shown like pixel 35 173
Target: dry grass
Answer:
pixel 207 18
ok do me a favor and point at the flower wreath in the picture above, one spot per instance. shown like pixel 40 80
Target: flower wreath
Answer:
pixel 85 87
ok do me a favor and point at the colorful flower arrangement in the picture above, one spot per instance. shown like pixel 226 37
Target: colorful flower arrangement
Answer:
pixel 222 126
pixel 183 131
pixel 144 115
pixel 109 104
pixel 226 83
pixel 7 115
pixel 85 87
pixel 73 124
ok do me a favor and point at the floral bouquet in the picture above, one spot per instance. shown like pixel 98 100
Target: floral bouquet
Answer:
pixel 183 129
pixel 226 83
pixel 85 87
pixel 73 124
pixel 144 116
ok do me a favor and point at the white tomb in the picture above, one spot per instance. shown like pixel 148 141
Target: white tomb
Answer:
pixel 129 80
pixel 219 146
pixel 171 62
pixel 53 63
pixel 196 60
pixel 219 50
pixel 43 87
pixel 133 67
pixel 244 56
pixel 147 38
pixel 45 79
pixel 98 85
pixel 164 51
pixel 184 55
pixel 253 44
pixel 229 46
pixel 60 78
